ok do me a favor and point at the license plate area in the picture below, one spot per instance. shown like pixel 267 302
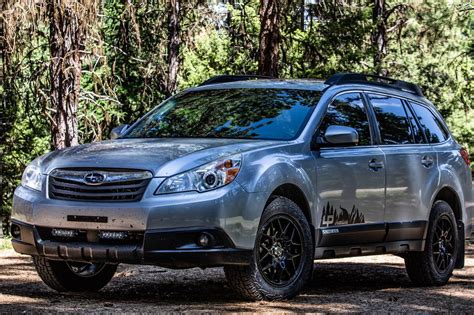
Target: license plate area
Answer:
pixel 87 218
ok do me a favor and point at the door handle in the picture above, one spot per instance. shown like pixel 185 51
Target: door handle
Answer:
pixel 375 165
pixel 427 161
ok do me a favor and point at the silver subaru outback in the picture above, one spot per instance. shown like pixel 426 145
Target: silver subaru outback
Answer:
pixel 260 176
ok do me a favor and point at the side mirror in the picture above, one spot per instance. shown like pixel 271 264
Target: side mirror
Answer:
pixel 341 135
pixel 335 136
pixel 118 131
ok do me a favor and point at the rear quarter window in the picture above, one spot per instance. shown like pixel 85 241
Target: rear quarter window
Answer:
pixel 431 125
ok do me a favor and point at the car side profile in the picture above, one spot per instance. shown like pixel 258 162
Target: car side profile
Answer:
pixel 259 176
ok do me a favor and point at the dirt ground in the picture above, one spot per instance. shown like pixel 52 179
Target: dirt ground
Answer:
pixel 349 285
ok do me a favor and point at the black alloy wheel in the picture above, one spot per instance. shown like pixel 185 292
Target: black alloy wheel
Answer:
pixel 85 270
pixel 443 245
pixel 279 253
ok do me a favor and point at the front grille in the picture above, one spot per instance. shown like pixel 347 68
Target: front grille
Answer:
pixel 98 185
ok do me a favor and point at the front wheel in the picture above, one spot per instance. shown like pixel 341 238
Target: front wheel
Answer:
pixel 65 276
pixel 283 256
pixel 434 266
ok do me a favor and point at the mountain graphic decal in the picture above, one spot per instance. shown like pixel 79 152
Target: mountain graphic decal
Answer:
pixel 332 216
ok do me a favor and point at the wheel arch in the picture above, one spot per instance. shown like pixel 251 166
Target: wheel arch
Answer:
pixel 297 195
pixel 449 195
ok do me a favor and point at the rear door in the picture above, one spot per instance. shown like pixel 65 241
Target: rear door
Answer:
pixel 350 179
pixel 410 167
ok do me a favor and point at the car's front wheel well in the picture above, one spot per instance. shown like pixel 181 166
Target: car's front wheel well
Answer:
pixel 295 194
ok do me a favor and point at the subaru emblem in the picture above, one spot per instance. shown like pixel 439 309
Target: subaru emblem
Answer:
pixel 94 178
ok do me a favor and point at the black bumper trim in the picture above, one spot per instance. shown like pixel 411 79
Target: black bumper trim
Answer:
pixel 24 248
pixel 342 235
pixel 148 252
pixel 200 258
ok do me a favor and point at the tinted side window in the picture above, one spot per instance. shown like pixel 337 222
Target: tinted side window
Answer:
pixel 432 127
pixel 392 119
pixel 417 133
pixel 348 110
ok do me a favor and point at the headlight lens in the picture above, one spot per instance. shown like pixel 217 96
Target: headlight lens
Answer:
pixel 203 178
pixel 32 177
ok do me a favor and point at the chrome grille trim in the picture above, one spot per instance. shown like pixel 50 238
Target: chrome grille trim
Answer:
pixel 117 185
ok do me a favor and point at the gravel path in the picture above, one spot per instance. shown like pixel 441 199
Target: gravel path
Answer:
pixel 347 285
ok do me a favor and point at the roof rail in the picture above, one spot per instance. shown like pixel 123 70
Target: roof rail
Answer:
pixel 232 78
pixel 344 78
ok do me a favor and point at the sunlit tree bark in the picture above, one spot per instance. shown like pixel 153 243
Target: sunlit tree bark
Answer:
pixel 69 22
pixel 379 38
pixel 269 39
pixel 66 40
pixel 174 41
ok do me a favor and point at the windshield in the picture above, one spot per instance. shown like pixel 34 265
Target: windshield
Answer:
pixel 275 114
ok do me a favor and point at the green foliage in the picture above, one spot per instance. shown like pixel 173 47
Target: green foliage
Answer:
pixel 435 50
pixel 5 243
pixel 25 130
pixel 225 50
pixel 336 39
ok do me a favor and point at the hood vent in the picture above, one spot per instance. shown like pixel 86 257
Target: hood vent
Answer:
pixel 98 185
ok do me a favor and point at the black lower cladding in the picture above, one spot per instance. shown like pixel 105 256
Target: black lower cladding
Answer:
pixel 173 248
pixel 371 233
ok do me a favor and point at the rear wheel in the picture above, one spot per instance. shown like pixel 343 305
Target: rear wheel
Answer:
pixel 73 276
pixel 434 266
pixel 283 255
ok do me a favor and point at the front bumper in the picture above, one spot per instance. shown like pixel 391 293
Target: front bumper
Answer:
pixel 171 248
pixel 229 208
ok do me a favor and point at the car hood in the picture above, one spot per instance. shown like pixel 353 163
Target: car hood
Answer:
pixel 163 157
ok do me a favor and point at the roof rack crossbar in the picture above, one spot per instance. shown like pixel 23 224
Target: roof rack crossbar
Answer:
pixel 343 78
pixel 232 78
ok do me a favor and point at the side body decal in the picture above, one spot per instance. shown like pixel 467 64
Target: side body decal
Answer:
pixel 332 216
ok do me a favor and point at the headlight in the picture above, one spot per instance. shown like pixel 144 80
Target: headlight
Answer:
pixel 32 177
pixel 203 178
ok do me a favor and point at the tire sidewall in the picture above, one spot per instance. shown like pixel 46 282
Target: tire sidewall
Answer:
pixel 57 275
pixel 441 209
pixel 281 206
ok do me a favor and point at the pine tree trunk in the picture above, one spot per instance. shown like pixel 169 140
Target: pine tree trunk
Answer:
pixel 66 42
pixel 269 39
pixel 302 13
pixel 174 41
pixel 8 102
pixel 379 38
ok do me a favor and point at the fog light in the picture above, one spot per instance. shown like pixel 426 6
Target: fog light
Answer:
pixel 112 235
pixel 63 233
pixel 205 240
pixel 16 231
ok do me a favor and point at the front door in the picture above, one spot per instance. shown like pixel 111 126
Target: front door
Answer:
pixel 350 179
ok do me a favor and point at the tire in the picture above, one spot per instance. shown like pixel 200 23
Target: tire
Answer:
pixel 65 276
pixel 427 268
pixel 290 264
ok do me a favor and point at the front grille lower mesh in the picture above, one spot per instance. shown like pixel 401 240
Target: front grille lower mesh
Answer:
pixel 122 186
